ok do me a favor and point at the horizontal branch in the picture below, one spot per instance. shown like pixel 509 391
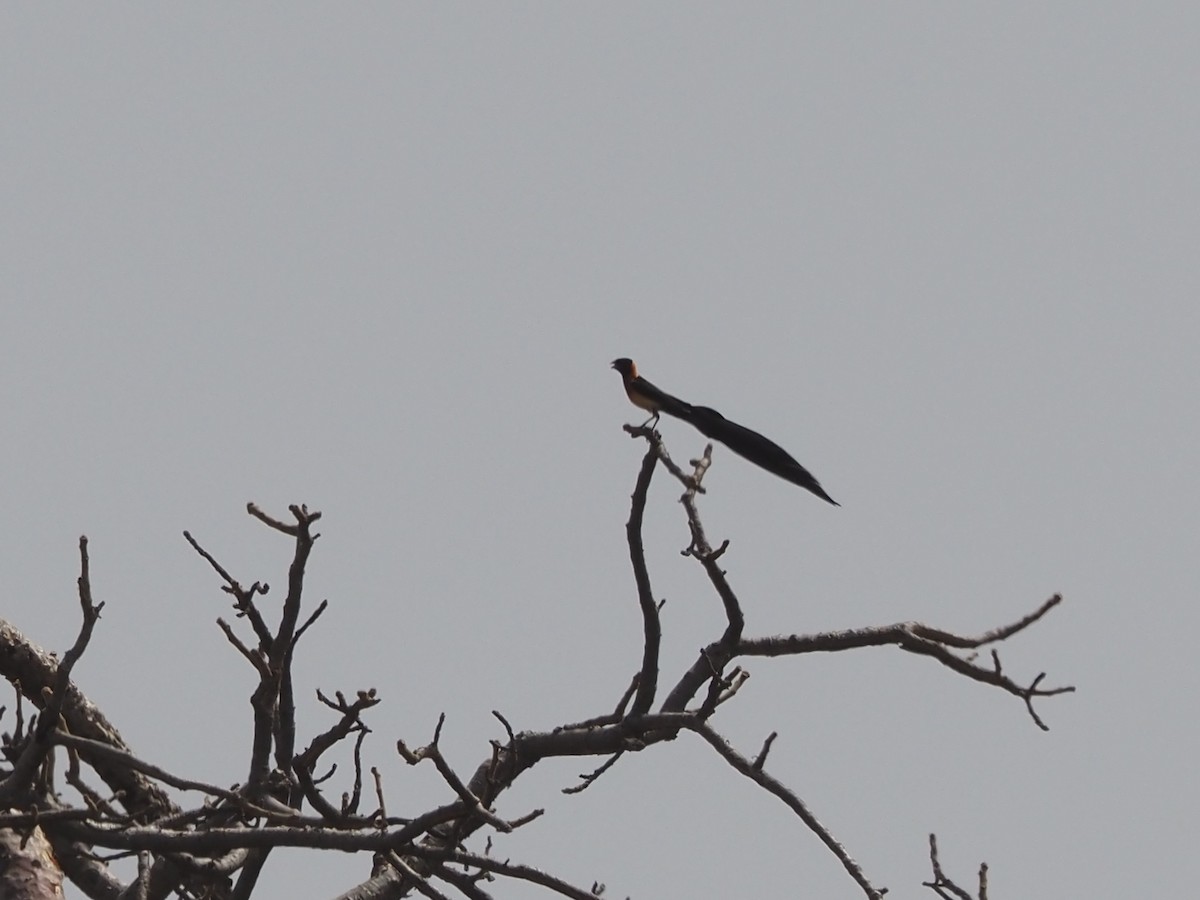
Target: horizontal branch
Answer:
pixel 923 640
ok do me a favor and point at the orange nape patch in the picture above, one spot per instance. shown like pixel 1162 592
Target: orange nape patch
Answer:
pixel 625 366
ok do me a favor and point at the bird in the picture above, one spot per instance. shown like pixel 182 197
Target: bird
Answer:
pixel 647 396
pixel 745 442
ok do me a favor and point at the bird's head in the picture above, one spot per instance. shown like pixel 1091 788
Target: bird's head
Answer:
pixel 625 366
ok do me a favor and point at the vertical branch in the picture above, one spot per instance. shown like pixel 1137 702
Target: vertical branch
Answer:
pixel 281 649
pixel 91 614
pixel 291 604
pixel 708 557
pixel 712 659
pixel 648 679
pixel 23 775
pixel 274 709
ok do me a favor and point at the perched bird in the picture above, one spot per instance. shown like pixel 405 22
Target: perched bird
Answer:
pixel 741 440
pixel 645 395
pixel 759 450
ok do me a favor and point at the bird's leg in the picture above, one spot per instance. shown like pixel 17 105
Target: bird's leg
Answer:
pixel 653 418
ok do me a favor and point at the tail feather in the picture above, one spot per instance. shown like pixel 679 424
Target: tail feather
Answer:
pixel 753 446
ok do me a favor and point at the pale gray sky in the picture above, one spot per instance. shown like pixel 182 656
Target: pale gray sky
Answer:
pixel 378 258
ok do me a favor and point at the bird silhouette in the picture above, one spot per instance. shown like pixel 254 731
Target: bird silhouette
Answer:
pixel 745 442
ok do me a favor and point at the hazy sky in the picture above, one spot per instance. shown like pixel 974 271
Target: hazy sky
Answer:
pixel 377 258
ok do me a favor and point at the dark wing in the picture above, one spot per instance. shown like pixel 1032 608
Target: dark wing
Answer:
pixel 753 446
pixel 661 400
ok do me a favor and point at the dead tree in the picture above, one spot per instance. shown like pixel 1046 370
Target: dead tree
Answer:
pixel 218 847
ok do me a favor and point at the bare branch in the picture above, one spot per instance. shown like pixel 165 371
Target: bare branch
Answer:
pixel 660 450
pixel 713 658
pixel 919 639
pixel 208 557
pixel 988 637
pixel 466 884
pixel 97 749
pixel 761 759
pixel 415 879
pixel 652 626
pixel 243 597
pixel 321 607
pixel 757 775
pixel 503 721
pixel 472 802
pixel 91 615
pixel 945 887
pixel 254 658
pixel 524 873
pixel 271 521
pixel 586 780
pixel 54 694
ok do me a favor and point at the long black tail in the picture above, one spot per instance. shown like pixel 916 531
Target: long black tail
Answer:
pixel 753 446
